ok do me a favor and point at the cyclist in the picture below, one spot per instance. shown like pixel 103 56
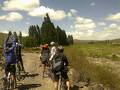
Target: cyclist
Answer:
pixel 10 56
pixel 52 50
pixel 45 57
pixel 59 68
pixel 19 56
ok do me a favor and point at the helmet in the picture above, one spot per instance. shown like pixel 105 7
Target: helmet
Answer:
pixel 60 48
pixel 45 46
pixel 52 43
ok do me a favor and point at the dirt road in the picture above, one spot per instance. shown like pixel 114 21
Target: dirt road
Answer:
pixel 34 80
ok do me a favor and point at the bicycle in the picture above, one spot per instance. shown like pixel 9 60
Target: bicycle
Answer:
pixel 9 83
pixel 61 83
pixel 18 71
pixel 46 69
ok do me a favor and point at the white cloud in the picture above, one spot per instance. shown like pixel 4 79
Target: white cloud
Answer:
pixel 101 23
pixel 110 32
pixel 85 29
pixel 69 14
pixel 113 26
pixel 54 14
pixel 90 32
pixel 84 23
pixel 13 16
pixel 92 4
pixel 75 34
pixel 33 8
pixel 72 13
pixel 81 35
pixel 82 28
pixel 114 17
pixel 26 5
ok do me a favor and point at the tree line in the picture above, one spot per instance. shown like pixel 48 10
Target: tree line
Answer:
pixel 45 34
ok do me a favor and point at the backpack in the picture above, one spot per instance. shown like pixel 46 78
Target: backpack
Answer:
pixel 57 63
pixel 45 55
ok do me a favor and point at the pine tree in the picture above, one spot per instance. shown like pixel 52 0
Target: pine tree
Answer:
pixel 48 31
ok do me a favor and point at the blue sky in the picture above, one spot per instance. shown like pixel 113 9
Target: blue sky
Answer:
pixel 84 19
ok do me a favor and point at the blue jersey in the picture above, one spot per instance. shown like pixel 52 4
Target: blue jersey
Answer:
pixel 10 55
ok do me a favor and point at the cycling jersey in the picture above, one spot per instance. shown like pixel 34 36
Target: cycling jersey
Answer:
pixel 10 55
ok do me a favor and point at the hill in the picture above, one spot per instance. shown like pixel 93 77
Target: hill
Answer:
pixel 2 37
pixel 76 41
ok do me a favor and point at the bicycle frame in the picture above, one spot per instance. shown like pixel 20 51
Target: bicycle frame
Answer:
pixel 61 84
pixel 18 71
pixel 10 82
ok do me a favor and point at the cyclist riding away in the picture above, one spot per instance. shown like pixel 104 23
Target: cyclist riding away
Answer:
pixel 45 52
pixel 59 68
pixel 10 56
pixel 19 56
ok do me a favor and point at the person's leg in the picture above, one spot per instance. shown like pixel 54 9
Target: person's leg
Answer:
pixel 68 85
pixel 43 66
pixel 55 85
pixel 14 76
pixel 55 81
pixel 6 70
pixel 65 77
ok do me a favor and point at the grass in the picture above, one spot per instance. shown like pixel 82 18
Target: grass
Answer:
pixel 2 38
pixel 77 55
pixel 99 50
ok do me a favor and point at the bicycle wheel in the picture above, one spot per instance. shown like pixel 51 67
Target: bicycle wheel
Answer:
pixel 18 72
pixel 63 84
pixel 60 83
pixel 12 83
pixel 8 83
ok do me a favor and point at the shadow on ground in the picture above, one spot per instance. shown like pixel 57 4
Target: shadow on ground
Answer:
pixel 28 86
pixel 75 87
pixel 30 75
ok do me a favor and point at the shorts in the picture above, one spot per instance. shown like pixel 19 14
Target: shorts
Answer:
pixel 44 62
pixel 57 77
pixel 10 68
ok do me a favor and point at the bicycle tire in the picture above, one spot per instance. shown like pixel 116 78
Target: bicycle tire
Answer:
pixel 62 84
pixel 8 83
pixel 12 84
pixel 18 73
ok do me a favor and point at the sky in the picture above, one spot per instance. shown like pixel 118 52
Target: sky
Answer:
pixel 84 19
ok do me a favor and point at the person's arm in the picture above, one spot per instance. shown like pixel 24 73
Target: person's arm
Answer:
pixel 13 46
pixel 53 52
pixel 65 60
pixel 51 57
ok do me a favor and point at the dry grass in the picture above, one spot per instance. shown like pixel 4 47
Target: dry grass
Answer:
pixel 100 74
